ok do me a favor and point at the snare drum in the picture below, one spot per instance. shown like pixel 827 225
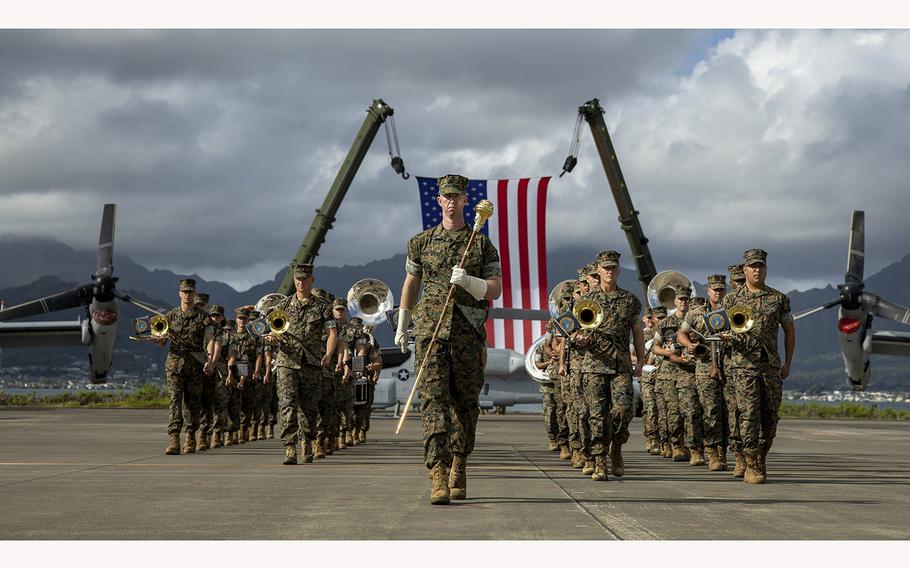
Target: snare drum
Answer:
pixel 361 392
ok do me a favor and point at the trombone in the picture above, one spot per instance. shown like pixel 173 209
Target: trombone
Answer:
pixel 150 328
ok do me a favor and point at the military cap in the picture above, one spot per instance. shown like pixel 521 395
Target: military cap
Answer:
pixel 649 312
pixel 303 270
pixel 716 281
pixel 591 268
pixel 697 301
pixel 754 256
pixel 216 310
pixel 340 302
pixel 187 285
pixel 254 314
pixel 357 321
pixel 736 272
pixel 201 298
pixel 322 294
pixel 452 183
pixel 660 311
pixel 682 292
pixel 608 258
pixel 242 313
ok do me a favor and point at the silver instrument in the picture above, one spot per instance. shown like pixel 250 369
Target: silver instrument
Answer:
pixel 370 299
pixel 662 289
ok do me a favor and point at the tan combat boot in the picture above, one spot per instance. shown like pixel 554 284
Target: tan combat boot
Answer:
pixel 173 448
pixel 722 455
pixel 228 439
pixel 763 462
pixel 247 431
pixel 216 440
pixel 679 455
pixel 588 468
pixel 655 448
pixel 241 439
pixel 356 436
pixel 189 445
pixel 714 464
pixel 666 450
pixel 696 457
pixel 458 478
pixel 342 445
pixel 328 443
pixel 348 438
pixel 553 446
pixel 753 469
pixel 271 431
pixel 236 436
pixel 318 449
pixel 739 468
pixel 307 451
pixel 290 455
pixel 617 466
pixel 600 469
pixel 363 437
pixel 565 453
pixel 439 494
pixel 203 442
pixel 255 435
pixel 578 460
pixel 262 433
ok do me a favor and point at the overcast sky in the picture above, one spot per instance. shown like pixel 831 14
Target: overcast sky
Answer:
pixel 218 146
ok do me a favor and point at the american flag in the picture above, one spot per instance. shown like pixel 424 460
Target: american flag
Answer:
pixel 518 230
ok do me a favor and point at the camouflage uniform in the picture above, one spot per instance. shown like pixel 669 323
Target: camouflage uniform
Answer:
pixel 222 391
pixel 245 349
pixel 453 375
pixel 183 368
pixel 269 397
pixel 300 373
pixel 689 406
pixel 735 443
pixel 670 422
pixel 756 363
pixel 607 361
pixel 207 397
pixel 649 398
pixel 548 393
pixel 346 336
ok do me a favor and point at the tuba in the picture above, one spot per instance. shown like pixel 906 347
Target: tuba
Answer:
pixel 558 292
pixel 588 313
pixel 662 289
pixel 741 318
pixel 370 299
pixel 536 374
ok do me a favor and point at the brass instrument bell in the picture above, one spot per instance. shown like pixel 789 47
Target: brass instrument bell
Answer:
pixel 588 313
pixel 278 320
pixel 742 318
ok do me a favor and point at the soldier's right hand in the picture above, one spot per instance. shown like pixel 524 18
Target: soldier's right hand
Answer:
pixel 401 334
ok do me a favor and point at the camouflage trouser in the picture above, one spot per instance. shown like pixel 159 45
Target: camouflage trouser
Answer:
pixel 233 408
pixel 758 396
pixel 548 397
pixel 347 407
pixel 250 405
pixel 622 395
pixel 181 375
pixel 339 405
pixel 326 423
pixel 732 411
pixel 562 422
pixel 449 393
pixel 690 411
pixel 207 400
pixel 711 398
pixel 649 408
pixel 265 395
pixel 222 397
pixel 669 422
pixel 576 408
pixel 273 400
pixel 368 410
pixel 299 391
pixel 596 432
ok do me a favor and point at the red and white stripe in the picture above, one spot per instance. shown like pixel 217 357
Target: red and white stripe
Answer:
pixel 518 229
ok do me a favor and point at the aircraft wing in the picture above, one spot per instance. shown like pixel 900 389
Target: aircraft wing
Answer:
pixel 41 334
pixel 891 343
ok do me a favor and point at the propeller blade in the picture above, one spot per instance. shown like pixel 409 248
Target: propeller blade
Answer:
pixel 890 310
pixel 139 304
pixel 106 241
pixel 81 296
pixel 856 255
pixel 816 309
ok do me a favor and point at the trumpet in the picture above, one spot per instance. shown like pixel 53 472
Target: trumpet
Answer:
pixel 742 318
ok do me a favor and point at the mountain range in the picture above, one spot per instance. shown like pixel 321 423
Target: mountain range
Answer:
pixel 36 267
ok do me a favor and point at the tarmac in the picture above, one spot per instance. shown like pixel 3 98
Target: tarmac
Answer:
pixel 102 474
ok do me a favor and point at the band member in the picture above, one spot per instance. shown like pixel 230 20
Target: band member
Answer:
pixel 345 338
pixel 244 371
pixel 665 345
pixel 207 397
pixel 757 369
pixel 545 359
pixel 660 405
pixel 648 401
pixel 737 276
pixel 186 362
pixel 735 443
pixel 453 375
pixel 606 362
pixel 708 377
pixel 301 357
pixel 326 435
pixel 364 346
pixel 562 422
pixel 577 409
pixel 221 392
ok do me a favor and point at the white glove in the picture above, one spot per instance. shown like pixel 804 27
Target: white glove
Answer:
pixel 476 287
pixel 401 335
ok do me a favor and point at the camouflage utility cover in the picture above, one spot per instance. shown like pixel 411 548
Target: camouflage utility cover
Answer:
pixel 608 351
pixel 771 309
pixel 431 256
pixel 302 343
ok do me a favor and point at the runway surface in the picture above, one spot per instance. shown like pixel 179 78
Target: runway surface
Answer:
pixel 102 474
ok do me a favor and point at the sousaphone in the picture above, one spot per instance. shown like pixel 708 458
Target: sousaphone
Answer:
pixel 662 289
pixel 370 299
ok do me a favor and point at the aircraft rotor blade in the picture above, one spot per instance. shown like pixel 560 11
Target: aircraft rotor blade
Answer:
pixel 140 304
pixel 856 255
pixel 106 241
pixel 890 310
pixel 816 309
pixel 81 296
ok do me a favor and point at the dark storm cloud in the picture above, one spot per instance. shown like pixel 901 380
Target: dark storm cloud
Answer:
pixel 218 145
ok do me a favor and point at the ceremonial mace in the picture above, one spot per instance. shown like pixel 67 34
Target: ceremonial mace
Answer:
pixel 483 210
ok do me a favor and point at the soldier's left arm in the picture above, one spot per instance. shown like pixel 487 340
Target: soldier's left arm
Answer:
pixel 332 336
pixel 786 321
pixel 638 338
pixel 491 271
